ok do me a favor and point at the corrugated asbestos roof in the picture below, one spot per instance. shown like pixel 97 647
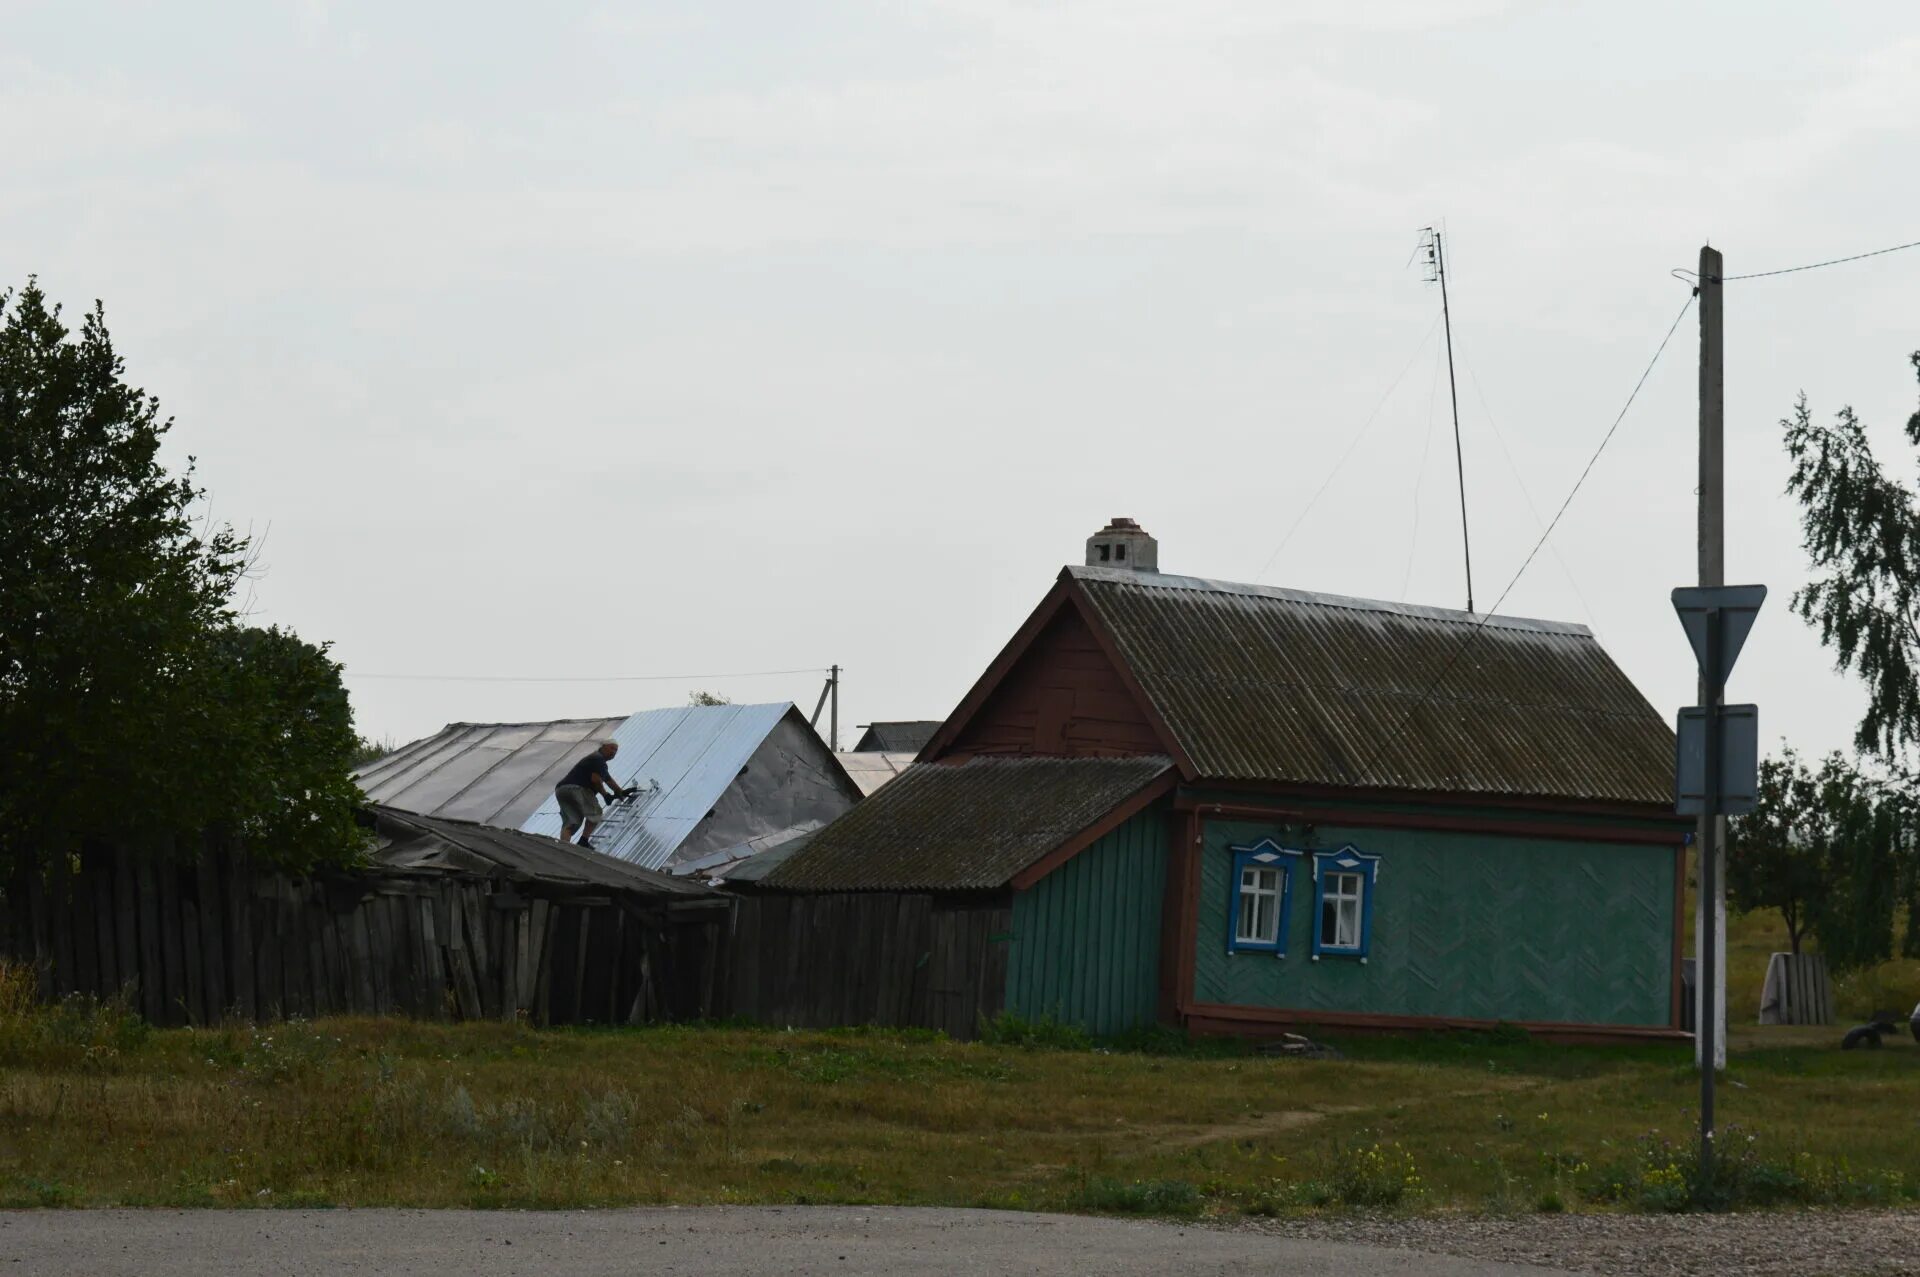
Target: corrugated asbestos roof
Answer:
pixel 896 738
pixel 971 826
pixel 1258 683
pixel 871 769
pixel 495 773
pixel 414 842
pixel 683 760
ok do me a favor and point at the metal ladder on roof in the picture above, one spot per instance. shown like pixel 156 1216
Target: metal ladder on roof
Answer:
pixel 623 814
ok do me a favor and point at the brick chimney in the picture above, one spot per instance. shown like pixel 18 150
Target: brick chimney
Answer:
pixel 1123 544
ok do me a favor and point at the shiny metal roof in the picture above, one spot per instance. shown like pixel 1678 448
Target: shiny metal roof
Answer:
pixel 683 760
pixel 1256 683
pixel 966 826
pixel 493 773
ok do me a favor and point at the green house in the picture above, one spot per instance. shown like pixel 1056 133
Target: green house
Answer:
pixel 1243 809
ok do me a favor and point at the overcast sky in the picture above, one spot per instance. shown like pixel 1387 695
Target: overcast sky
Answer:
pixel 570 340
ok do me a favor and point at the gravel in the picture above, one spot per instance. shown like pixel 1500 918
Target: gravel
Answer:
pixel 1759 1244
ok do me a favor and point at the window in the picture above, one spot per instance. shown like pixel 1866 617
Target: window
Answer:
pixel 1259 906
pixel 1340 912
pixel 1119 553
pixel 1343 885
pixel 1262 896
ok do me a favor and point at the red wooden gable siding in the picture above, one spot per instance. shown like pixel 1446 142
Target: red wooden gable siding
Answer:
pixel 1064 699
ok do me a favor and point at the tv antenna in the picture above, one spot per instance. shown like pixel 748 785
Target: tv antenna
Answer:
pixel 1434 263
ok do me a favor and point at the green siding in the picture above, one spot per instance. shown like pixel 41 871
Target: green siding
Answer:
pixel 1466 925
pixel 1086 938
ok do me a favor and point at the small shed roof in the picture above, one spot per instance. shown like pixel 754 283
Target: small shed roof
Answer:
pixel 496 773
pixel 896 738
pixel 683 760
pixel 406 840
pixel 1257 683
pixel 967 826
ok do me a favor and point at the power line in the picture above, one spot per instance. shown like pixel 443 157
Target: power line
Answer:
pixel 1460 649
pixel 1326 483
pixel 578 678
pixel 1790 270
pixel 1419 479
pixel 1520 479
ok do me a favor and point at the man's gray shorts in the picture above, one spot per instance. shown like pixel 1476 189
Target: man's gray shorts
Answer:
pixel 578 804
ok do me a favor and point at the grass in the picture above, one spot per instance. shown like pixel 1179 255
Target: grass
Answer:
pixel 96 1109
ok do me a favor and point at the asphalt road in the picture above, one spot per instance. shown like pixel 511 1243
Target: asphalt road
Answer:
pixel 707 1240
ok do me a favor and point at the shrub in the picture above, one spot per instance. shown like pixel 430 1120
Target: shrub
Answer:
pixel 1044 1033
pixel 1142 1197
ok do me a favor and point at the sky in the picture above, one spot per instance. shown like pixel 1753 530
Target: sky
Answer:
pixel 640 348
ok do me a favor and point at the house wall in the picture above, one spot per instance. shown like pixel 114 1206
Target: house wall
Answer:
pixel 790 779
pixel 1064 699
pixel 1465 925
pixel 1086 938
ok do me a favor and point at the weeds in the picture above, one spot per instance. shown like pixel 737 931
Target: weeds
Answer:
pixel 1041 1033
pixel 1174 1197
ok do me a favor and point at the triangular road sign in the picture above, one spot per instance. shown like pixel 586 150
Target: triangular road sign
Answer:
pixel 1737 605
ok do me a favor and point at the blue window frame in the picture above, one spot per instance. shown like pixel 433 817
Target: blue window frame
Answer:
pixel 1261 898
pixel 1343 885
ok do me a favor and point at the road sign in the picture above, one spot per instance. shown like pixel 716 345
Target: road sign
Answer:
pixel 1737 605
pixel 1739 760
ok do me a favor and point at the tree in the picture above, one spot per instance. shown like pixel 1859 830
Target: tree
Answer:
pixel 1774 857
pixel 707 698
pixel 1822 847
pixel 1861 528
pixel 134 706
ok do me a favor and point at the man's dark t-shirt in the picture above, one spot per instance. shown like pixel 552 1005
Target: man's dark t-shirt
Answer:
pixel 585 770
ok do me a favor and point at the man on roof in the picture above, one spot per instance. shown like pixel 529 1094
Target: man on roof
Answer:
pixel 579 793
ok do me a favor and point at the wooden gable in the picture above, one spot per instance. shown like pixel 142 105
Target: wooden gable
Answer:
pixel 1061 696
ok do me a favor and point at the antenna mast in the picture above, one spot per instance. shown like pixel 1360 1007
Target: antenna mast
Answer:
pixel 1437 271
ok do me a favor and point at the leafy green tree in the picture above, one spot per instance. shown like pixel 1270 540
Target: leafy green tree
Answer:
pixel 1861 528
pixel 1775 856
pixel 133 704
pixel 1824 847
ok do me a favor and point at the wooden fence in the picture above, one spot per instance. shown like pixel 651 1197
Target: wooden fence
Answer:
pixel 199 942
pixel 923 961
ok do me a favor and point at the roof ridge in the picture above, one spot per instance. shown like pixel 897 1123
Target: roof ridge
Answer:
pixel 1354 603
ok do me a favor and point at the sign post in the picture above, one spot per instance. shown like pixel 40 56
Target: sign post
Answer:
pixel 1716 773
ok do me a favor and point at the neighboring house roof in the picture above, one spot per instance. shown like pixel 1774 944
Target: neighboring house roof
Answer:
pixel 683 760
pixel 1253 683
pixel 896 738
pixel 495 773
pixel 972 826
pixel 752 860
pixel 871 769
pixel 413 842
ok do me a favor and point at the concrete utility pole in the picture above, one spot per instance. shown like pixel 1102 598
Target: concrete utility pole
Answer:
pixel 1710 930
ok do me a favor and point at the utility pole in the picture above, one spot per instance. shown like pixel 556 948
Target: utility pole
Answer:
pixel 833 721
pixel 1710 1043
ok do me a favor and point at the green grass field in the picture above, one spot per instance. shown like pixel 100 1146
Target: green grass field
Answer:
pixel 96 1109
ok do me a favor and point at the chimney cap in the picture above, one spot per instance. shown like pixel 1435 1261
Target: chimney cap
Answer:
pixel 1123 543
